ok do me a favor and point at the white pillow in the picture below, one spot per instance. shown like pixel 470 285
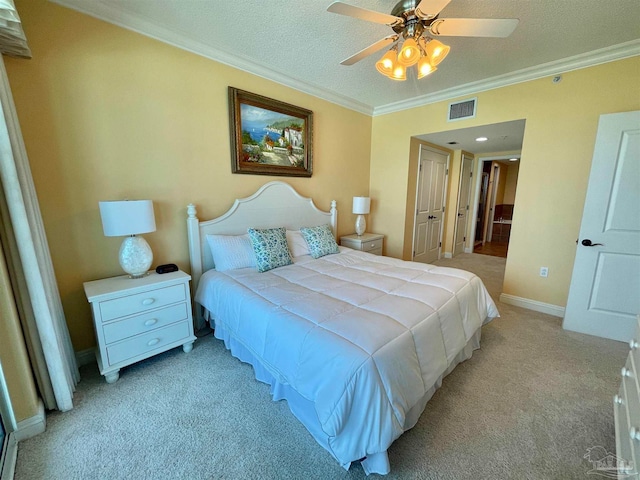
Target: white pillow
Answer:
pixel 231 251
pixel 297 244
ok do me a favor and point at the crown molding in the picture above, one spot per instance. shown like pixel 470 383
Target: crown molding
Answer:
pixel 584 60
pixel 111 14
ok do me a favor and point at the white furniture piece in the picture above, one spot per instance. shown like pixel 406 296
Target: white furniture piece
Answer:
pixel 361 207
pixel 357 344
pixel 367 242
pixel 626 405
pixel 137 318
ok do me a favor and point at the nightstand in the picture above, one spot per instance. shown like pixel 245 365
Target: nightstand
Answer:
pixel 135 319
pixel 367 242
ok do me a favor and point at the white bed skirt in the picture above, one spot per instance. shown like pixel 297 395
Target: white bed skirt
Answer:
pixel 304 410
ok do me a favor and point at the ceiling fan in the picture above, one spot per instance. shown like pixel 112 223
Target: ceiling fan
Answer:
pixel 417 23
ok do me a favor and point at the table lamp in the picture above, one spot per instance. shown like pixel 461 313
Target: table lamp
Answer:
pixel 361 207
pixel 130 218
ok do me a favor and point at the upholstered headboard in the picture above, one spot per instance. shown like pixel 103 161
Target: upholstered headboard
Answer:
pixel 275 204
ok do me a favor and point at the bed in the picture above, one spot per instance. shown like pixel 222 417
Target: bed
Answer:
pixel 356 343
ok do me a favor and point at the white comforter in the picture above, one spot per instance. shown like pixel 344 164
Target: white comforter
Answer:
pixel 363 337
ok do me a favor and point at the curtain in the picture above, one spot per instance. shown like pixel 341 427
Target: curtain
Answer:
pixel 25 243
pixel 12 39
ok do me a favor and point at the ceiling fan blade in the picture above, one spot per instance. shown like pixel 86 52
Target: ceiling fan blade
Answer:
pixel 474 27
pixel 427 9
pixel 379 45
pixel 364 14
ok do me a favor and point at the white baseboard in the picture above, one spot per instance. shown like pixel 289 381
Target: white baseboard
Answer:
pixel 9 457
pixel 468 249
pixel 448 255
pixel 86 357
pixel 32 426
pixel 529 304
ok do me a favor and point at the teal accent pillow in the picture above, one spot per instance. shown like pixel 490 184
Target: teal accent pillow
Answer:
pixel 270 247
pixel 320 241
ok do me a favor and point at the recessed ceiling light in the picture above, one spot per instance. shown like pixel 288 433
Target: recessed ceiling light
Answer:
pixel 514 159
pixel 481 139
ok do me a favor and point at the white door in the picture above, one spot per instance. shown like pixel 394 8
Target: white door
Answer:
pixel 430 205
pixel 464 195
pixel 604 297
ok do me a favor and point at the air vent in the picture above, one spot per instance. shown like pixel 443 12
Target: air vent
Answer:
pixel 462 110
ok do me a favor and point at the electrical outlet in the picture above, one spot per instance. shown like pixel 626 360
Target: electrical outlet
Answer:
pixel 544 271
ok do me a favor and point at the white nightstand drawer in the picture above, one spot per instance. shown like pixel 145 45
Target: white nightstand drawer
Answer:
pixel 373 245
pixel 146 322
pixel 624 444
pixel 147 342
pixel 367 242
pixel 632 395
pixel 141 302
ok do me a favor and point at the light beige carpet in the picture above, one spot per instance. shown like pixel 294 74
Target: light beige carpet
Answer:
pixel 527 405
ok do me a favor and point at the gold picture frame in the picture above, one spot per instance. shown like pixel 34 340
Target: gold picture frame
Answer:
pixel 269 137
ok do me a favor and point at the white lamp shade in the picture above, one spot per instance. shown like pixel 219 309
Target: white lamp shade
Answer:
pixel 361 205
pixel 127 217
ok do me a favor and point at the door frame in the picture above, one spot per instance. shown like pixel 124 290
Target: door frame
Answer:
pixel 476 195
pixel 465 245
pixel 444 194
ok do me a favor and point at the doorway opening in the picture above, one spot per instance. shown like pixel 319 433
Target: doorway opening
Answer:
pixel 478 205
pixel 496 200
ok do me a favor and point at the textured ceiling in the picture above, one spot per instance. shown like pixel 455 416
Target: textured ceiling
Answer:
pixel 301 45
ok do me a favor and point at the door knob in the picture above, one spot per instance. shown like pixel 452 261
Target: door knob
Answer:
pixel 587 243
pixel 431 217
pixel 460 215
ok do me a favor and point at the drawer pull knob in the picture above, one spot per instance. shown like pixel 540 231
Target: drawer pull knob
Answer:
pixel 152 342
pixel 617 399
pixel 633 344
pixel 148 301
pixel 634 433
pixel 625 372
pixel 151 321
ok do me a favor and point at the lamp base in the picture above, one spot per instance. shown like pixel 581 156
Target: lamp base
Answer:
pixel 361 225
pixel 135 256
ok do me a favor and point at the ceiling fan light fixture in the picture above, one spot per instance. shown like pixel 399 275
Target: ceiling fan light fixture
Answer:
pixel 415 21
pixel 409 53
pixel 399 72
pixel 436 51
pixel 387 62
pixel 424 67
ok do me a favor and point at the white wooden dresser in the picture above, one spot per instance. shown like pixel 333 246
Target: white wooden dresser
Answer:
pixel 367 242
pixel 137 318
pixel 626 405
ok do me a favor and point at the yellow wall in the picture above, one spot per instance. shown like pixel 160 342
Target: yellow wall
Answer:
pixel 110 114
pixel 511 183
pixel 502 183
pixel 561 123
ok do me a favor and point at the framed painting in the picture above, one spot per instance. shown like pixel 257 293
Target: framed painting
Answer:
pixel 269 137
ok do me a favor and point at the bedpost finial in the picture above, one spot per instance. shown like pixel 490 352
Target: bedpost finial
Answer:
pixel 191 210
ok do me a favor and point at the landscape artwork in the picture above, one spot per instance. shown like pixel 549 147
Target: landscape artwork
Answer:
pixel 269 137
